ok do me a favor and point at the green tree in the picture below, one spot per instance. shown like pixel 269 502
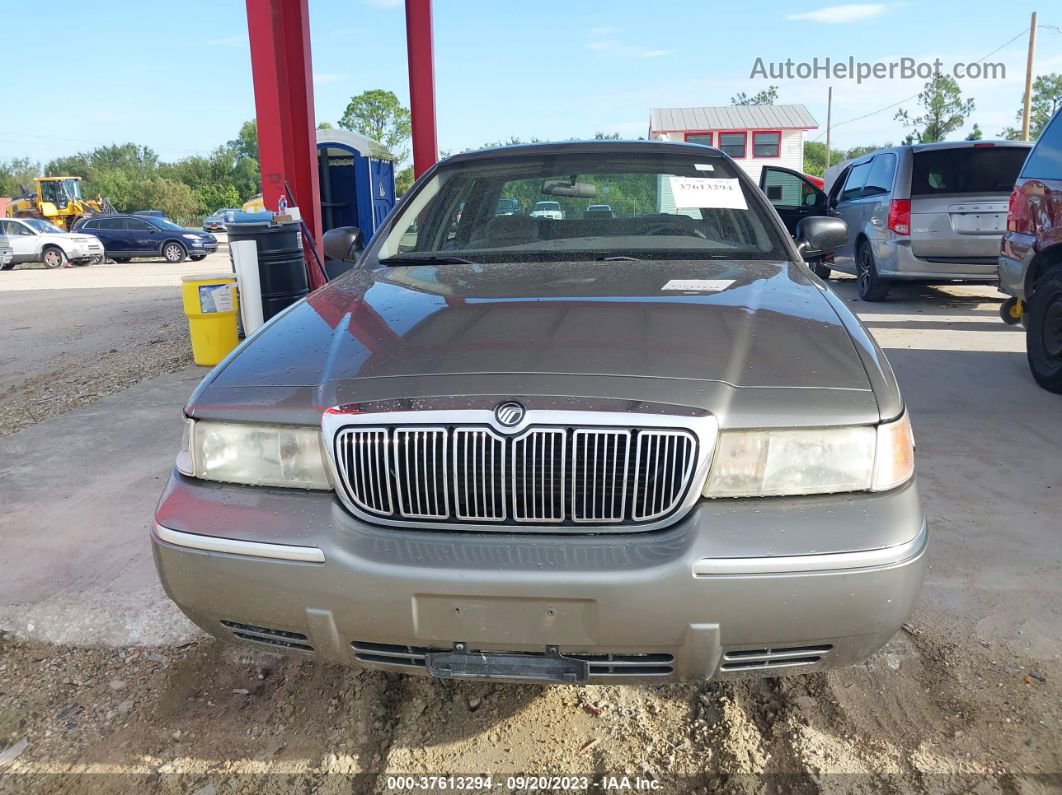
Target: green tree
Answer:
pixel 975 133
pixel 403 180
pixel 16 173
pixel 815 157
pixel 943 110
pixel 1047 95
pixel 864 149
pixel 379 115
pixel 768 96
pixel 324 125
pixel 245 143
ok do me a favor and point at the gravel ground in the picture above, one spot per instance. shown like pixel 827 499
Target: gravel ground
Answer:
pixel 206 717
pixel 964 699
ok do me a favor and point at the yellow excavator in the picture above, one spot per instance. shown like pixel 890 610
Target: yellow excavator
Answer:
pixel 57 199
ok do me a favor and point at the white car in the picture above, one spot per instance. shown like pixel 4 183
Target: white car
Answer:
pixel 547 210
pixel 34 240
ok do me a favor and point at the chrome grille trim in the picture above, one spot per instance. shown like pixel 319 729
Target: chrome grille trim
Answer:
pixel 482 498
pixel 681 440
pixel 538 492
pixel 662 482
pixel 422 488
pixel 358 453
pixel 603 500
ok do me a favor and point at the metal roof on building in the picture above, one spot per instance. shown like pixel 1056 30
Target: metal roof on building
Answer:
pixel 732 117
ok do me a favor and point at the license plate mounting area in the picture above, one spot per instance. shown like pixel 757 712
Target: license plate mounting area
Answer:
pixel 551 667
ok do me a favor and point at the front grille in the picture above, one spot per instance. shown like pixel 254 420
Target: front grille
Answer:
pixel 545 476
pixel 607 664
pixel 787 657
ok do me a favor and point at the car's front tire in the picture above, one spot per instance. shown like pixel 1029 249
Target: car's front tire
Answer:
pixel 174 252
pixel 869 285
pixel 1043 332
pixel 53 257
pixel 821 269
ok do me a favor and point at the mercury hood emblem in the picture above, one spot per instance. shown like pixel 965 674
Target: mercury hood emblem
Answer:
pixel 509 413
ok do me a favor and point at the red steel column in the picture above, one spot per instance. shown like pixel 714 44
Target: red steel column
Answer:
pixel 283 97
pixel 420 50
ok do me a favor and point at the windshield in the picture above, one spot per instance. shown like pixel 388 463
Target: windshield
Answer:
pixel 73 188
pixel 162 223
pixel 43 226
pixel 660 206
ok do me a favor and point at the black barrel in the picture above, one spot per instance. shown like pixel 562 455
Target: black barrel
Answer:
pixel 281 266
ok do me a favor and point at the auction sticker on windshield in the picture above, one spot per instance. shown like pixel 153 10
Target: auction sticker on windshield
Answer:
pixel 703 192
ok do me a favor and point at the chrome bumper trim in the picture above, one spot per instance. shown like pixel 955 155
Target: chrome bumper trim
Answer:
pixel 803 564
pixel 231 546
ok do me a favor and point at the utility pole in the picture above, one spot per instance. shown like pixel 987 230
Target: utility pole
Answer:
pixel 829 121
pixel 1027 107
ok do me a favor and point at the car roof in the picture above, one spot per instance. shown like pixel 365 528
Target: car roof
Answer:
pixel 585 147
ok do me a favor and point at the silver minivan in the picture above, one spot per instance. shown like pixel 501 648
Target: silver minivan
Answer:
pixel 925 212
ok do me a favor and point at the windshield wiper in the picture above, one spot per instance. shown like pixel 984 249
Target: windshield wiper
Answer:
pixel 619 258
pixel 426 259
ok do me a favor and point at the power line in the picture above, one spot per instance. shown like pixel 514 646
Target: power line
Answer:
pixel 915 96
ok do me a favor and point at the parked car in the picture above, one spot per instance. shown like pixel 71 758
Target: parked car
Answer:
pixel 216 221
pixel 152 214
pixel 926 212
pixel 35 240
pixel 641 449
pixel 507 205
pixel 1030 260
pixel 6 254
pixel 599 211
pixel 547 209
pixel 128 236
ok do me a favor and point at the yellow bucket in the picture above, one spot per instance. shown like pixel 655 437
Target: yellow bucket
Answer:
pixel 211 306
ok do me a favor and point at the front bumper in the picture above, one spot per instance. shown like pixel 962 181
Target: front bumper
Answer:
pixel 737 588
pixel 206 248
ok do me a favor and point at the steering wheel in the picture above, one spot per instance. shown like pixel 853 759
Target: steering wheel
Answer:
pixel 677 229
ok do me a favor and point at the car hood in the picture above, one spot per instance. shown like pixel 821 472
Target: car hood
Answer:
pixel 677 330
pixel 82 238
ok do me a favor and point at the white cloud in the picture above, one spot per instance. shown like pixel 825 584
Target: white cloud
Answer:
pixel 320 78
pixel 840 15
pixel 383 3
pixel 229 41
pixel 654 53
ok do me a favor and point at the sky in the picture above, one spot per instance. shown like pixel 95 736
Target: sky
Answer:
pixel 177 76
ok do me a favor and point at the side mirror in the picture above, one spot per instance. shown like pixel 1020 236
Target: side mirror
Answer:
pixel 820 234
pixel 344 243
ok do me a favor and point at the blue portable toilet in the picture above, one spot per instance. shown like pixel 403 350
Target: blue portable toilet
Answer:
pixel 357 177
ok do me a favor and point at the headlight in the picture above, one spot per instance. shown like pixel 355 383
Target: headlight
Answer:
pixel 258 455
pixel 819 461
pixel 191 237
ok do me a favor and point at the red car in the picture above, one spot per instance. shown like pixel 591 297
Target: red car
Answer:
pixel 1030 260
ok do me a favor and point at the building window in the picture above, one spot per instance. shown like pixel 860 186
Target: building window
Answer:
pixel 732 143
pixel 766 144
pixel 699 138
